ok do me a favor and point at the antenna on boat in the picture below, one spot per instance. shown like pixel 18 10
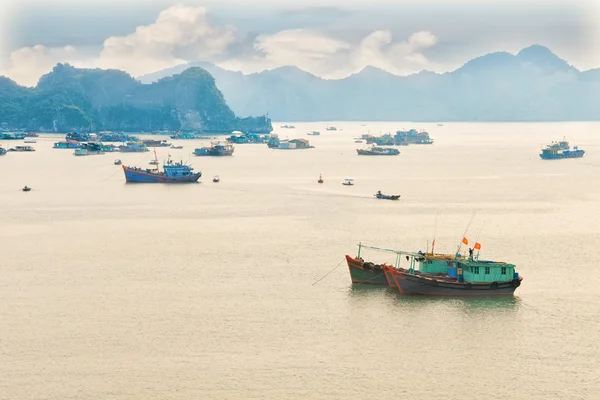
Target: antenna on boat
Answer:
pixel 464 236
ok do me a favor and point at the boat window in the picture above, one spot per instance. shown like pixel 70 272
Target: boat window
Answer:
pixel 503 270
pixel 487 270
pixel 475 270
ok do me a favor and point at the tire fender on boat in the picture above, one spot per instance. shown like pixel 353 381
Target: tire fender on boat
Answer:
pixel 516 283
pixel 494 285
pixel 468 285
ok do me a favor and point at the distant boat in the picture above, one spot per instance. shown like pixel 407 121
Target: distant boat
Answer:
pixel 176 147
pixel 314 133
pixel 172 173
pixel 320 179
pixel 378 151
pixel 348 182
pixel 185 136
pixel 22 148
pixel 134 147
pixel 32 134
pixel 288 126
pixel 331 128
pixel 30 140
pixel 153 162
pixel 3 151
pixel 26 189
pixel 216 149
pixel 216 179
pixel 67 144
pixel 379 195
pixel 118 162
pixel 560 150
pixel 156 143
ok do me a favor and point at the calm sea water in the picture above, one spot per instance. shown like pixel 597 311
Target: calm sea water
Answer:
pixel 116 291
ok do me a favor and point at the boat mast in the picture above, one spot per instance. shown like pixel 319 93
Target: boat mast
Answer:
pixel 465 234
pixel 155 158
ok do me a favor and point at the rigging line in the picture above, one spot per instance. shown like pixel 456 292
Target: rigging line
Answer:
pixel 324 276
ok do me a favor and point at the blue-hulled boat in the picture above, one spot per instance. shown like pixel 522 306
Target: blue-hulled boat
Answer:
pixel 172 173
pixel 560 150
pixel 380 195
pixel 3 151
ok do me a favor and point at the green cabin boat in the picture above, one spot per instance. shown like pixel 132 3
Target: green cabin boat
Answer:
pixel 437 274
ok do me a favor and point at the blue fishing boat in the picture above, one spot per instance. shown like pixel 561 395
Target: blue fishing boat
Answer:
pixel 172 172
pixel 380 195
pixel 12 136
pixel 78 136
pixel 560 150
pixel 3 151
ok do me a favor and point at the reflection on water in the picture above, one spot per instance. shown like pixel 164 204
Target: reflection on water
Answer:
pixel 358 292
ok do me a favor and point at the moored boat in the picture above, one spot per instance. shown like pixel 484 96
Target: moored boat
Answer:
pixel 134 147
pixel 3 151
pixel 380 195
pixel 216 149
pixel 67 144
pixel 366 272
pixel 172 173
pixel 22 149
pixel 378 151
pixel 560 150
pixel 441 274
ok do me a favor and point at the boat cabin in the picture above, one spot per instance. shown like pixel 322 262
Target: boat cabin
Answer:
pixel 485 271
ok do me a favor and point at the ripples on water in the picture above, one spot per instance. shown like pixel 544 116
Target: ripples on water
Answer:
pixel 206 291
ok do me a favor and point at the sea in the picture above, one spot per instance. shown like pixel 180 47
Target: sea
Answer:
pixel 239 289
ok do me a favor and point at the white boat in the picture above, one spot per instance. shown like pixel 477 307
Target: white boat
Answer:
pixel 348 182
pixel 30 140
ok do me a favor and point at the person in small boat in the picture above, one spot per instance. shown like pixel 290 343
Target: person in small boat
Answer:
pixel 379 192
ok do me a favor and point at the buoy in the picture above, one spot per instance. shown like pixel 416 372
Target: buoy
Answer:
pixel 320 179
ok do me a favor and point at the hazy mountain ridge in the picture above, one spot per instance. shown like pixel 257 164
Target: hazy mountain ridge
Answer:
pixel 95 99
pixel 532 85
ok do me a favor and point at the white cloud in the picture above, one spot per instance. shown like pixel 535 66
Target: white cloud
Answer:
pixel 27 64
pixel 180 34
pixel 184 33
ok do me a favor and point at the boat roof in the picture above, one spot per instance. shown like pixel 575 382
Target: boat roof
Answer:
pixel 348 179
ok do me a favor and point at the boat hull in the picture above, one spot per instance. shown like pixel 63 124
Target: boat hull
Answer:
pixel 367 273
pixel 143 176
pixel 372 153
pixel 563 155
pixel 407 283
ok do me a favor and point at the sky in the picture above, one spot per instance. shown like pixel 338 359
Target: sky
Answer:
pixel 329 38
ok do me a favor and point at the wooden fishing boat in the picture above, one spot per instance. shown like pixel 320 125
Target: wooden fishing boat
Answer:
pixel 438 274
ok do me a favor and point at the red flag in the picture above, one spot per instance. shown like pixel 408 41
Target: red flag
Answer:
pixel 465 241
pixel 477 246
